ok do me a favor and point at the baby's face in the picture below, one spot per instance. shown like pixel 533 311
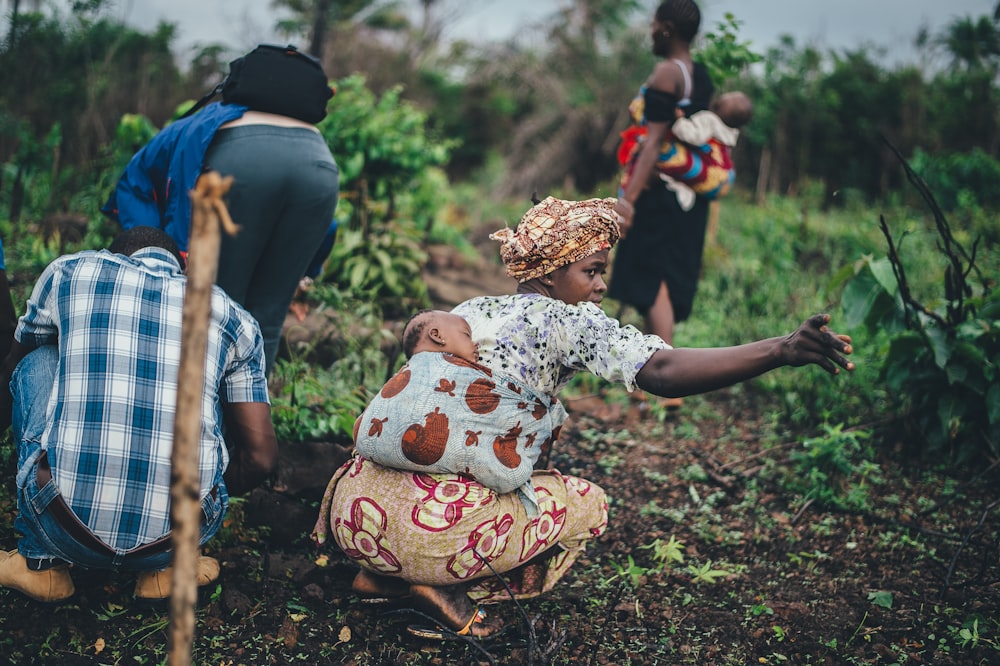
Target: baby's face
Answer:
pixel 457 335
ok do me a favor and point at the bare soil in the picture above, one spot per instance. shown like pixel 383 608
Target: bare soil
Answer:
pixel 797 584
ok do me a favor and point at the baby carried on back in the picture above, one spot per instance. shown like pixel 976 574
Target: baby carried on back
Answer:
pixel 444 413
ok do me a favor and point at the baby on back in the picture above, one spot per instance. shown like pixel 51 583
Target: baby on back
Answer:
pixel 444 413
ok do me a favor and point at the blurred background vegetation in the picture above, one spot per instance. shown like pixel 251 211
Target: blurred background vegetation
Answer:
pixel 437 141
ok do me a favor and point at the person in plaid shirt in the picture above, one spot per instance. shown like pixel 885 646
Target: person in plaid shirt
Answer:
pixel 92 394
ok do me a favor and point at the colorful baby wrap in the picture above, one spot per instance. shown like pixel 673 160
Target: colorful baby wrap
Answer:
pixel 707 169
pixel 443 414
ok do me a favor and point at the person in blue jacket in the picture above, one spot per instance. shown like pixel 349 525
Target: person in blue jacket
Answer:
pixel 283 197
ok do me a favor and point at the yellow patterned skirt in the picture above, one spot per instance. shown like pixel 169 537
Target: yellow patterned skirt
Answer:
pixel 438 529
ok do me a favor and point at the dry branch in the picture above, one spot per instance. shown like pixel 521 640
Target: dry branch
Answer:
pixel 208 212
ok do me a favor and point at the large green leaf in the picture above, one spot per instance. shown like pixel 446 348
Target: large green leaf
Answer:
pixel 882 270
pixel 902 362
pixel 942 344
pixel 866 301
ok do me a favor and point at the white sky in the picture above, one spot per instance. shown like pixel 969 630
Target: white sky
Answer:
pixel 889 24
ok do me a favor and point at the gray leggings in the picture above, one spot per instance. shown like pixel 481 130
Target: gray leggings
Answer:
pixel 285 186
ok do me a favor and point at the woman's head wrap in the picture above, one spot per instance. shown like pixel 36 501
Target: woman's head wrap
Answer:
pixel 555 233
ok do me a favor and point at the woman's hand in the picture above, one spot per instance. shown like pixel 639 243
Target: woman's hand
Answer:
pixel 625 212
pixel 814 342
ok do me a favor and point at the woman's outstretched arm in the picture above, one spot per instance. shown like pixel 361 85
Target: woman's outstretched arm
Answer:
pixel 679 372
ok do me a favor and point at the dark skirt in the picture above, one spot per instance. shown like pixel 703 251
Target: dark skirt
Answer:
pixel 664 244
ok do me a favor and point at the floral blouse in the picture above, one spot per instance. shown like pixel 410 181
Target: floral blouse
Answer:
pixel 544 342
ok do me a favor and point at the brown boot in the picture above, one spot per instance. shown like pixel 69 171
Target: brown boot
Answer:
pixel 49 586
pixel 156 584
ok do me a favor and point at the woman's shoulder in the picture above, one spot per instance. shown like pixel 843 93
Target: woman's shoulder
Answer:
pixel 529 311
pixel 494 305
pixel 667 77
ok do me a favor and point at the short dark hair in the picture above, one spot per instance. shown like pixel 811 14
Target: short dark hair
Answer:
pixel 684 14
pixel 132 240
pixel 414 330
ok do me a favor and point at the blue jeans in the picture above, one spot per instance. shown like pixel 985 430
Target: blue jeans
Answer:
pixel 42 536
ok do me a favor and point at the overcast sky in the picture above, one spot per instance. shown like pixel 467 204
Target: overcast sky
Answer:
pixel 890 24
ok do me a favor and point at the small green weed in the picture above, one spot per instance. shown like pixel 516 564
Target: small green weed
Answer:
pixel 634 574
pixel 609 461
pixel 974 633
pixel 707 574
pixel 835 470
pixel 667 553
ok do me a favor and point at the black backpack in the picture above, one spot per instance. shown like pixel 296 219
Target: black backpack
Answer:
pixel 275 79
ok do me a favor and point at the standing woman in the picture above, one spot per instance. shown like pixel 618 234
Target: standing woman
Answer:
pixel 658 261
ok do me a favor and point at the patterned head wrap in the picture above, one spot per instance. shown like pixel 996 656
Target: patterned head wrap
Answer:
pixel 555 233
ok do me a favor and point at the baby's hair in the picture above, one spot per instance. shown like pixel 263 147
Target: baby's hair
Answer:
pixel 684 14
pixel 735 108
pixel 414 330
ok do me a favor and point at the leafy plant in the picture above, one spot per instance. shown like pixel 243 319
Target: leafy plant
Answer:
pixel 721 52
pixel 632 572
pixel 383 148
pixel 942 359
pixel 833 470
pixel 973 634
pixel 314 400
pixel 384 268
pixel 881 598
pixel 667 553
pixel 707 574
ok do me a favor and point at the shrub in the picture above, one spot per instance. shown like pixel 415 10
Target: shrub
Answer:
pixel 940 362
pixel 960 179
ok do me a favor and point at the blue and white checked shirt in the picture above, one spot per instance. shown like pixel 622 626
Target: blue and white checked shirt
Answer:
pixel 110 418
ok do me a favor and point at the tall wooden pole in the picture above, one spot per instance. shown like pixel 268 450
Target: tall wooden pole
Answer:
pixel 208 213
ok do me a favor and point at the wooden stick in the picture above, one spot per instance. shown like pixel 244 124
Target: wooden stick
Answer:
pixel 208 212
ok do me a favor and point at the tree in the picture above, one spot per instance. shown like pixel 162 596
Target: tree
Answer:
pixel 571 98
pixel 973 43
pixel 64 82
pixel 322 16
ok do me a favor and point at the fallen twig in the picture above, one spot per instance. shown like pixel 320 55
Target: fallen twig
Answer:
pixel 802 510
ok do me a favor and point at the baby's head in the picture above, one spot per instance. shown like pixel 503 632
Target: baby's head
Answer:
pixel 734 108
pixel 437 330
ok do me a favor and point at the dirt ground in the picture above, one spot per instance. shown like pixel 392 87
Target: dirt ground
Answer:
pixel 764 577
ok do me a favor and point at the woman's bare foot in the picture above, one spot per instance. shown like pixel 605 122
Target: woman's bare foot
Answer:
pixel 452 607
pixel 371 584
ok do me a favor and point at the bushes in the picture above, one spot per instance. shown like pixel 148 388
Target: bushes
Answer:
pixel 960 180
pixel 940 360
